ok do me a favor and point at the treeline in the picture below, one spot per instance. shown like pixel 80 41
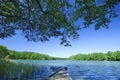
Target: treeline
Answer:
pixel 28 55
pixel 4 52
pixel 31 56
pixel 109 56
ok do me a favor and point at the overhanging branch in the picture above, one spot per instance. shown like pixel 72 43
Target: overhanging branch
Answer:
pixel 40 6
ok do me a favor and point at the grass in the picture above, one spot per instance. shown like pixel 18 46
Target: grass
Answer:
pixel 10 70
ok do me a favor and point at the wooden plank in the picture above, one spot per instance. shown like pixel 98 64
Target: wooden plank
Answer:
pixel 59 73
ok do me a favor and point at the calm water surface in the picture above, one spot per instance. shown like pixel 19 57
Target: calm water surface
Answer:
pixel 78 70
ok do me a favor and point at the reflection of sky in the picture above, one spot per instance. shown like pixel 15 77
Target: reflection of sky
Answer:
pixel 102 40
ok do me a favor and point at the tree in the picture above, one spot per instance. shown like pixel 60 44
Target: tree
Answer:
pixel 41 20
pixel 3 52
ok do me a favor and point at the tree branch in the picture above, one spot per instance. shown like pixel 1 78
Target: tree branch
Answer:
pixel 40 6
pixel 29 8
pixel 88 9
pixel 87 6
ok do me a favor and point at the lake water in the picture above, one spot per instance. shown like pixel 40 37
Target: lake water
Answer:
pixel 78 70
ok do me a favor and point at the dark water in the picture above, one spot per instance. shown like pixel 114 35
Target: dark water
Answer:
pixel 78 70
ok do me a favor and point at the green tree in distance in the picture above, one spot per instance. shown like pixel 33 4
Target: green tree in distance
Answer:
pixel 40 20
pixel 109 56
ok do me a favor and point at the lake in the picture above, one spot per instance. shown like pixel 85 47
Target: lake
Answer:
pixel 78 70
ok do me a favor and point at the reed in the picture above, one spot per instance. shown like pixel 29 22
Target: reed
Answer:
pixel 10 70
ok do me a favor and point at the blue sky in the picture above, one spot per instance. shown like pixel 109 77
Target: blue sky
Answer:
pixel 90 40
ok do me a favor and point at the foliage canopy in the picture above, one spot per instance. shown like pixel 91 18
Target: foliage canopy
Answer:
pixel 40 20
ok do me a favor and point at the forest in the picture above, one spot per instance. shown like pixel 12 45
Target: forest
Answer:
pixel 10 54
pixel 109 56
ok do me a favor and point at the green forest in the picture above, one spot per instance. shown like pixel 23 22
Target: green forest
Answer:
pixel 10 54
pixel 109 56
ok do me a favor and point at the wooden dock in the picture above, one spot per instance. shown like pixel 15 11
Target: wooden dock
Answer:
pixel 59 73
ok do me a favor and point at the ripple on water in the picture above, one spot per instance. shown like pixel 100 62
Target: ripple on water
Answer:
pixel 81 70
